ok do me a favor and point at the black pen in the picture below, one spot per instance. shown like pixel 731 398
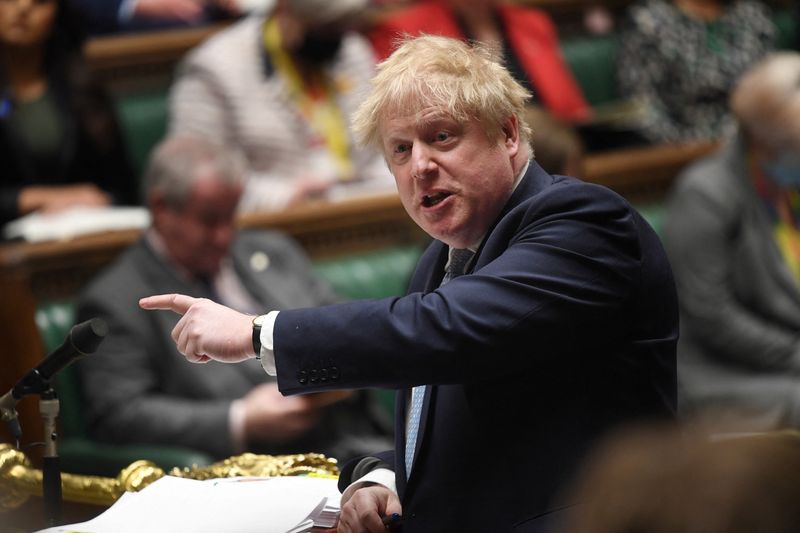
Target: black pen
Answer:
pixel 392 521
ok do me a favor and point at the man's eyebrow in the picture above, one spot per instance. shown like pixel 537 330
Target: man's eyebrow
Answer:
pixel 428 121
pixel 392 139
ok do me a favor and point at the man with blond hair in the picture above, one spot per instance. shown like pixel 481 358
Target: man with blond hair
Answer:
pixel 542 315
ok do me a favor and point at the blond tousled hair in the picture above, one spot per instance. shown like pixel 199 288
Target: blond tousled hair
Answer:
pixel 466 80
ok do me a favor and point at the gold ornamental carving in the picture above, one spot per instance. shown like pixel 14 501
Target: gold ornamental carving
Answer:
pixel 19 480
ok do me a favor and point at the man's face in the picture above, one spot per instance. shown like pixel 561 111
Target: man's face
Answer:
pixel 199 234
pixel 452 179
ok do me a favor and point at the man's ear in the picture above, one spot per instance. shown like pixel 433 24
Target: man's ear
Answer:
pixel 510 133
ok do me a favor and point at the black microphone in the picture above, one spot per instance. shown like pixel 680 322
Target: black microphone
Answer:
pixel 82 339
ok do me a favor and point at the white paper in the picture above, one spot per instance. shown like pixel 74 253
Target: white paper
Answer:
pixel 242 504
pixel 75 221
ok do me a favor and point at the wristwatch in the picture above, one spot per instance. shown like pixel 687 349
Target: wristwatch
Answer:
pixel 257 323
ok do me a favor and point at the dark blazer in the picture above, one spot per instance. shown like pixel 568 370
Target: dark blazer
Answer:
pixel 139 389
pixel 102 16
pixel 99 15
pixel 565 329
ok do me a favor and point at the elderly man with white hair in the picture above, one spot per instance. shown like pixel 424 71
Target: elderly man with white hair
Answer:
pixel 282 87
pixel 732 237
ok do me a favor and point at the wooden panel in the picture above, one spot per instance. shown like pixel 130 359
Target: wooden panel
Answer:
pixel 330 229
pixel 130 61
pixel 644 173
pixel 22 348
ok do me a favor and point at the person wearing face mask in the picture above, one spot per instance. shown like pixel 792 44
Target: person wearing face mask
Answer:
pixel 732 233
pixel 281 87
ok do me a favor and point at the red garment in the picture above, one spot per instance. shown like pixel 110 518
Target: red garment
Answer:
pixel 529 32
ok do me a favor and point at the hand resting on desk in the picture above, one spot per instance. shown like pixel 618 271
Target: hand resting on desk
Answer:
pixel 363 509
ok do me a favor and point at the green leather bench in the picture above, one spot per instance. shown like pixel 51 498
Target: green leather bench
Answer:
pixel 373 274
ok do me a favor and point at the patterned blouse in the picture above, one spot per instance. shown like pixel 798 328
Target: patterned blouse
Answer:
pixel 681 69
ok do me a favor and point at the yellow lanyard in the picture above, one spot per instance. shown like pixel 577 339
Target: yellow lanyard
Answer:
pixel 784 204
pixel 786 233
pixel 317 103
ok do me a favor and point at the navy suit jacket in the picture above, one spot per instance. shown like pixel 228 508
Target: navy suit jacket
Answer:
pixel 102 16
pixel 565 329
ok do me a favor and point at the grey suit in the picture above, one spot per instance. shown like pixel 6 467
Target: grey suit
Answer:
pixel 739 351
pixel 138 388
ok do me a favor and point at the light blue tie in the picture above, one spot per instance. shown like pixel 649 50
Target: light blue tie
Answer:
pixel 459 258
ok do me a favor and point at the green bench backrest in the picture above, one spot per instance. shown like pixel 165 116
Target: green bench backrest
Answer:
pixel 143 120
pixel 54 320
pixel 592 60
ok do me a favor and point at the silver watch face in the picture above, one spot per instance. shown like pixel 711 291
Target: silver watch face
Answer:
pixel 259 320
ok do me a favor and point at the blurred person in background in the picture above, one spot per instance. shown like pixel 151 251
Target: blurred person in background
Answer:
pixel 138 388
pixel 679 59
pixel 731 233
pixel 674 479
pixel 112 16
pixel 557 146
pixel 60 144
pixel 282 87
pixel 525 37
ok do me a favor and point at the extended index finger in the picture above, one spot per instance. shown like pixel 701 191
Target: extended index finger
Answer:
pixel 180 303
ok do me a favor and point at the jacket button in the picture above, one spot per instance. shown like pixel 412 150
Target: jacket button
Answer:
pixel 302 377
pixel 314 377
pixel 323 375
pixel 334 373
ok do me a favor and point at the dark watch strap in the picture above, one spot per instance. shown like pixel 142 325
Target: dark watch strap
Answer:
pixel 257 338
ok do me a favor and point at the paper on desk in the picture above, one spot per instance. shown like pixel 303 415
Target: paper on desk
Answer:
pixel 75 221
pixel 265 505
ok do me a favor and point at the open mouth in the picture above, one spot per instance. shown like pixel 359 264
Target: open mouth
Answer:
pixel 430 200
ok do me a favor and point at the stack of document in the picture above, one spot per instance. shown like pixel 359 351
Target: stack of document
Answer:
pixel 325 515
pixel 292 504
pixel 75 221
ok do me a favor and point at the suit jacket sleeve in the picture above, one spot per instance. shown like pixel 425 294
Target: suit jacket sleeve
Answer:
pixel 355 469
pixel 583 243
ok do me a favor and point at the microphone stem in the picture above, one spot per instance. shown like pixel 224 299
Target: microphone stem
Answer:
pixel 51 470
